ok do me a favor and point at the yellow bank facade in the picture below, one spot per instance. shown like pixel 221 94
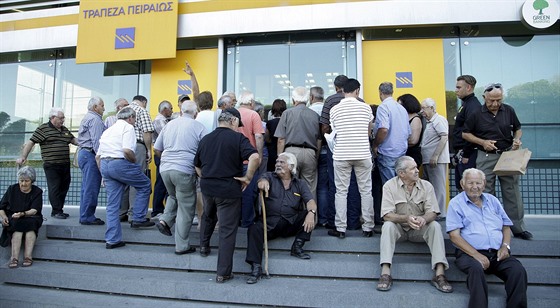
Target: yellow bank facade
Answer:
pixel 62 54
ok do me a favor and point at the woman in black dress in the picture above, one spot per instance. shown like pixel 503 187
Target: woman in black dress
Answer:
pixel 20 213
pixel 416 122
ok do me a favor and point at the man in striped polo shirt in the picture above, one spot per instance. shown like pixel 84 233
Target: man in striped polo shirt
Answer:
pixel 352 121
pixel 53 138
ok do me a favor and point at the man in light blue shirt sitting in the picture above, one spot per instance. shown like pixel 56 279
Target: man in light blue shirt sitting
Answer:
pixel 480 229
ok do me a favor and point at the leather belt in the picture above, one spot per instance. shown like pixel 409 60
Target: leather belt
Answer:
pixel 111 158
pixel 498 151
pixel 303 146
pixel 88 149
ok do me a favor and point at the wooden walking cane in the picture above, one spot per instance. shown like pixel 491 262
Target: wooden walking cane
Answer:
pixel 265 234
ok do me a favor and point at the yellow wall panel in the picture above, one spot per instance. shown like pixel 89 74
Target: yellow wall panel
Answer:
pixel 423 58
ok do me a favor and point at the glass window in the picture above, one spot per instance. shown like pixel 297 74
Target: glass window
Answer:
pixel 30 89
pixel 272 71
pixel 529 69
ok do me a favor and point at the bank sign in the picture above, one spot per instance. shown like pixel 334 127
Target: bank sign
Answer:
pixel 540 14
pixel 110 30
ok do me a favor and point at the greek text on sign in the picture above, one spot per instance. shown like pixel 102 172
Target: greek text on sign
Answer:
pixel 130 10
pixel 126 30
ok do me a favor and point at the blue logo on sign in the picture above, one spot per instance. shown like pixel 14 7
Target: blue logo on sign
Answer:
pixel 124 38
pixel 184 87
pixel 404 79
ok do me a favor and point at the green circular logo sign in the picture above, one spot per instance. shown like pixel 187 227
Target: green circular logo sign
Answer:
pixel 540 14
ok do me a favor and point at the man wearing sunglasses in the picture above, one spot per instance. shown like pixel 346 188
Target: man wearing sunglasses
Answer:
pixel 495 128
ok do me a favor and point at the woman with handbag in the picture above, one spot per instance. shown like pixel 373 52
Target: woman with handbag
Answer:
pixel 20 213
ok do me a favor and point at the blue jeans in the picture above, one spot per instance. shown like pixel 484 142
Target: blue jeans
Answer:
pixel 91 184
pixel 160 192
pixel 248 200
pixel 117 174
pixel 323 188
pixel 354 200
pixel 386 165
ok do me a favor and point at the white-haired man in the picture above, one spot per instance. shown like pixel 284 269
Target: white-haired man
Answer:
pixel 252 129
pixel 480 229
pixel 409 208
pixel 90 131
pixel 290 210
pixel 298 132
pixel 112 119
pixel 435 151
pixel 53 138
pixel 495 128
pixel 177 145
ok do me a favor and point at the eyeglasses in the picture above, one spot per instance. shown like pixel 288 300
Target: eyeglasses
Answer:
pixel 492 86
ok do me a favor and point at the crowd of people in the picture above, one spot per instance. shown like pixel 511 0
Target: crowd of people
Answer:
pixel 336 163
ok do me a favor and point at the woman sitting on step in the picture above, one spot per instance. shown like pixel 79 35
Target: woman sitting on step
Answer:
pixel 20 213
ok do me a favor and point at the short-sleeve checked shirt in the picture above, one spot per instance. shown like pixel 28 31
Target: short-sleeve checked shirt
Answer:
pixel 143 122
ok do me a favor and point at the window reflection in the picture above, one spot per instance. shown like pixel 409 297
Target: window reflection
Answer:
pixel 272 71
pixel 530 73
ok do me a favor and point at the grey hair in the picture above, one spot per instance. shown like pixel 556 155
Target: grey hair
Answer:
pixel 473 171
pixel 119 101
pixel 164 105
pixel 224 100
pixel 231 94
pixel 246 98
pixel 27 172
pixel 400 164
pixel 300 95
pixel 317 92
pixel 126 113
pixel 291 160
pixel 94 101
pixel 258 107
pixel 54 112
pixel 386 88
pixel 429 102
pixel 189 107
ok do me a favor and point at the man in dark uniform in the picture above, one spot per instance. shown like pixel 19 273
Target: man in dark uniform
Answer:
pixel 219 164
pixel 290 210
pixel 495 128
pixel 465 152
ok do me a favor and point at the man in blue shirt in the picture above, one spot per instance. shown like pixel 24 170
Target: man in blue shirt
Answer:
pixel 480 229
pixel 391 132
pixel 90 131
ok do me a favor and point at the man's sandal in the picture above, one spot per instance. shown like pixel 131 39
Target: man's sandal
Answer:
pixel 441 283
pixel 27 262
pixel 13 263
pixel 385 282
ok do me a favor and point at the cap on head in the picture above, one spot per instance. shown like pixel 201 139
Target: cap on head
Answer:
pixel 234 112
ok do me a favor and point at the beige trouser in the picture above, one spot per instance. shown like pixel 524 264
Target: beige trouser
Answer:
pixel 430 233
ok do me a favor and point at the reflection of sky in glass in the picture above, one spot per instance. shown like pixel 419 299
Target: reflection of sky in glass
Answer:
pixel 529 71
pixel 272 71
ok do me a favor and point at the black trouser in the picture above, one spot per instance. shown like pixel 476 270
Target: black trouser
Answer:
pixel 255 235
pixel 228 212
pixel 58 183
pixel 460 168
pixel 510 270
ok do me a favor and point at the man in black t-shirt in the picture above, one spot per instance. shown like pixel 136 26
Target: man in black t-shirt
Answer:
pixel 495 128
pixel 219 164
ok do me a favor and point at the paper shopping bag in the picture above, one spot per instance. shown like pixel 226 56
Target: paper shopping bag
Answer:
pixel 513 162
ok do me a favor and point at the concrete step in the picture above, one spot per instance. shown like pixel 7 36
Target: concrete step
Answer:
pixel 160 284
pixel 41 297
pixel 322 264
pixel 320 241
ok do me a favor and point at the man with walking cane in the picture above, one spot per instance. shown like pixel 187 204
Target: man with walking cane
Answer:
pixel 290 210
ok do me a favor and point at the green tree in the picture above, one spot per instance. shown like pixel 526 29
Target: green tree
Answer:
pixel 540 5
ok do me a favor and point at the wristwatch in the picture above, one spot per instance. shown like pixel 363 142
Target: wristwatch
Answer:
pixel 312 211
pixel 507 245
